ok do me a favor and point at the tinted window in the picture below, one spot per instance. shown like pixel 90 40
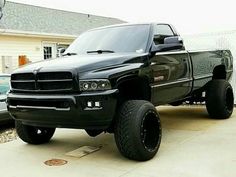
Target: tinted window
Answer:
pixel 161 32
pixel 164 30
pixel 131 38
pixel 4 84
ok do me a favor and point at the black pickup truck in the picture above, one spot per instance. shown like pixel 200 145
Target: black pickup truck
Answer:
pixel 110 79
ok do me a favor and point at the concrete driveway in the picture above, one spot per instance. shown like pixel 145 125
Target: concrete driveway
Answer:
pixel 192 146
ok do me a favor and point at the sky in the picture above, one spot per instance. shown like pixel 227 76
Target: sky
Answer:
pixel 188 16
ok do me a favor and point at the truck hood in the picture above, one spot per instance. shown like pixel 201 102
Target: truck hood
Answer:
pixel 83 63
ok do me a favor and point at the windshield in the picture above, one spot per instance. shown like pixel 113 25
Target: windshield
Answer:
pixel 131 38
pixel 4 84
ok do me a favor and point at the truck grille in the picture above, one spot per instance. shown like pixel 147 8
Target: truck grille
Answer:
pixel 45 81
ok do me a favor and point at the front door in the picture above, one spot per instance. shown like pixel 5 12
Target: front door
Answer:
pixel 49 50
pixel 172 77
pixel 171 70
pixel 7 64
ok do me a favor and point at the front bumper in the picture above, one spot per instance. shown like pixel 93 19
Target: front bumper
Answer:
pixel 68 111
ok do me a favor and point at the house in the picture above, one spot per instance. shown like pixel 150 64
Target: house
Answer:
pixel 40 33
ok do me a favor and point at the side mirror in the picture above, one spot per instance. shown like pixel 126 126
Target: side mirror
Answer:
pixel 173 40
pixel 170 43
pixel 61 51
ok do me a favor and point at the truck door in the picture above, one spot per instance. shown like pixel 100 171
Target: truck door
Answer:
pixel 171 71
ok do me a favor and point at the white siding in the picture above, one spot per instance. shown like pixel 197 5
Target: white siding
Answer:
pixel 15 46
pixel 0 65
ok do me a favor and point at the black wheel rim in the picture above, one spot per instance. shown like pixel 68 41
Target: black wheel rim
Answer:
pixel 151 131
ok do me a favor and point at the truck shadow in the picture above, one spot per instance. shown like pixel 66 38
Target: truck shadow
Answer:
pixel 71 140
pixel 193 118
pixel 183 112
pixel 176 121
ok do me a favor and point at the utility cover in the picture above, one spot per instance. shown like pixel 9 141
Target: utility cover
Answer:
pixel 83 151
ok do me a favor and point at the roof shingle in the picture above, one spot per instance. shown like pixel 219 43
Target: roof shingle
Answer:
pixel 23 17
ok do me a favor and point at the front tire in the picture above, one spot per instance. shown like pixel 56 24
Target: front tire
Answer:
pixel 32 134
pixel 138 130
pixel 219 99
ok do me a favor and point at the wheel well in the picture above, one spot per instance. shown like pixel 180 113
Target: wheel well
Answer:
pixel 219 72
pixel 134 88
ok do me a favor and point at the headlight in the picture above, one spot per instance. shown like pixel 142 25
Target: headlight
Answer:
pixel 94 85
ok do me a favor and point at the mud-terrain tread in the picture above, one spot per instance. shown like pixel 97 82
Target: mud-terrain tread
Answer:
pixel 25 133
pixel 127 146
pixel 216 99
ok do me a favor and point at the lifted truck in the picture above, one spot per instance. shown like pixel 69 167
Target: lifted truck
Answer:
pixel 110 79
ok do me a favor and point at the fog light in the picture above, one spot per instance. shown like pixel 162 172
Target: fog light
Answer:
pixel 89 104
pixel 97 104
pixel 204 94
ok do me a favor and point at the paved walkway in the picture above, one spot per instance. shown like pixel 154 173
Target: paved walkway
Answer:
pixel 192 146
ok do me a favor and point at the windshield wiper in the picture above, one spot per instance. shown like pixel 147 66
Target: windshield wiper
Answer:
pixel 100 51
pixel 69 54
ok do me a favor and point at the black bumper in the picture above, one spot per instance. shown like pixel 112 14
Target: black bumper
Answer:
pixel 68 111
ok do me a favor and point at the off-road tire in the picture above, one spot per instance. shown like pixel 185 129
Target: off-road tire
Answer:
pixel 138 130
pixel 219 99
pixel 34 135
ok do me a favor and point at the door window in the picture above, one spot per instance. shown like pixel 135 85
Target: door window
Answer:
pixel 47 52
pixel 162 31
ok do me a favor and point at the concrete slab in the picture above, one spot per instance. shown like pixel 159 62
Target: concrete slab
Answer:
pixel 192 146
